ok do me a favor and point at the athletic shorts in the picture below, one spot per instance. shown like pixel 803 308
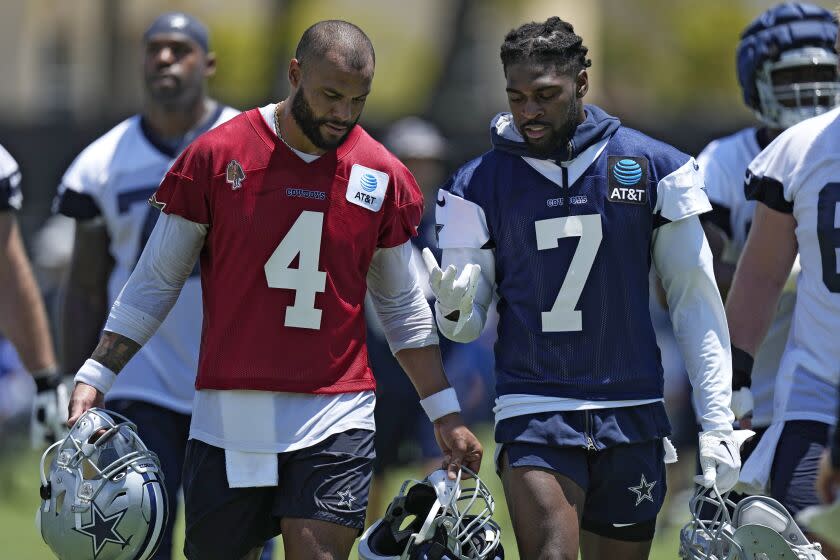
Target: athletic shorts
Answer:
pixel 328 481
pixel 165 432
pixel 615 455
pixel 795 465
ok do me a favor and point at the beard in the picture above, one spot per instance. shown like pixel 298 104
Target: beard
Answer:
pixel 178 94
pixel 555 142
pixel 310 125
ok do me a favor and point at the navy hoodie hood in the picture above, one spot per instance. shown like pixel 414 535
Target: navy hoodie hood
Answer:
pixel 597 126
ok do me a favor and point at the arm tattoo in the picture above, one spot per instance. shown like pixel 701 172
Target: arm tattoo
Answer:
pixel 114 351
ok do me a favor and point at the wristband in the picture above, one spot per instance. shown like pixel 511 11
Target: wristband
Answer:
pixel 96 375
pixel 742 364
pixel 440 404
pixel 46 379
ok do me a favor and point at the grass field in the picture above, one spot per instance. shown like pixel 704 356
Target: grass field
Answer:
pixel 19 539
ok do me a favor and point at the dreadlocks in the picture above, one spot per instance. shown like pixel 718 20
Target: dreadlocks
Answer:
pixel 553 41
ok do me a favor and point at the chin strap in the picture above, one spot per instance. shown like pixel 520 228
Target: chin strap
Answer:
pixel 447 492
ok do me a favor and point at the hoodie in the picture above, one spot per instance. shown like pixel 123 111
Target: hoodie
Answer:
pixel 597 126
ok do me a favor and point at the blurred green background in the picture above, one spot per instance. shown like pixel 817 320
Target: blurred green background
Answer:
pixel 71 70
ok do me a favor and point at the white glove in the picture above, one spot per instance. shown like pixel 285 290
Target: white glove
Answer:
pixel 720 458
pixel 49 410
pixel 453 291
pixel 742 403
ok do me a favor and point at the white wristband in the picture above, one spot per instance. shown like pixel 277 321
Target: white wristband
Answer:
pixel 440 404
pixel 96 375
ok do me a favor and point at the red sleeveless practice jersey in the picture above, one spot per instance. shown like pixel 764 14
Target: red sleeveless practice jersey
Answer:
pixel 285 261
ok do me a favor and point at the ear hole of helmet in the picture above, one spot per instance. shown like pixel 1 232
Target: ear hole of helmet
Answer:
pixel 59 503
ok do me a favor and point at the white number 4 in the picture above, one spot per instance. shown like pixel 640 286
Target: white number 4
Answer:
pixel 304 239
pixel 563 317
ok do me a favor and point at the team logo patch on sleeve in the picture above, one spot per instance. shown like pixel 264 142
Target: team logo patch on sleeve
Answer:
pixel 234 174
pixel 156 203
pixel 367 187
pixel 628 179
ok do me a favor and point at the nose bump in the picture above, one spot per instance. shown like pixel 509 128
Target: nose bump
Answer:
pixel 343 111
pixel 531 108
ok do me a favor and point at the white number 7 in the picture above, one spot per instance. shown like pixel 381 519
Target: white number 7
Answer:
pixel 304 239
pixel 563 317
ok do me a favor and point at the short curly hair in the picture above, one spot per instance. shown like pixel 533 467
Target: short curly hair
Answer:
pixel 552 41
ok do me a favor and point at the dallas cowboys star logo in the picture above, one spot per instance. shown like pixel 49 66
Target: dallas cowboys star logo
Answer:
pixel 644 491
pixel 347 498
pixel 102 529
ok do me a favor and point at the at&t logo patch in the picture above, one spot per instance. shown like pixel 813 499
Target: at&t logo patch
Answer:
pixel 367 187
pixel 628 179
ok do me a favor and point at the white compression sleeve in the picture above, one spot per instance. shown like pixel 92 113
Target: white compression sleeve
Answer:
pixel 154 286
pixel 483 296
pixel 396 294
pixel 683 261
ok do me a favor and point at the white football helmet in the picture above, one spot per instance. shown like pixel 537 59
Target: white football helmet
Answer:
pixel 757 527
pixel 787 67
pixel 103 497
pixel 436 518
pixel 784 105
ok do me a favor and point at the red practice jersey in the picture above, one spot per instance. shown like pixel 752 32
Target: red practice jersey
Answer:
pixel 285 261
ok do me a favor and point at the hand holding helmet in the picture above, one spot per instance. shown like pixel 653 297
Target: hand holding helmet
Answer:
pixel 449 519
pixel 103 496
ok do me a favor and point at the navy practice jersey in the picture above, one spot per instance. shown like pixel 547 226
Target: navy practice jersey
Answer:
pixel 572 247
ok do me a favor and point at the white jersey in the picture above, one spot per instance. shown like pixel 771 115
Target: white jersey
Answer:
pixel 799 173
pixel 10 199
pixel 10 195
pixel 113 178
pixel 723 164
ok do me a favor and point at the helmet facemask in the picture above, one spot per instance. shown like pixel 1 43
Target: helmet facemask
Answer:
pixel 436 516
pixel 801 84
pixel 708 536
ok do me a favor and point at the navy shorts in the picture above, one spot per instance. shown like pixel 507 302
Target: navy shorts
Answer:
pixel 328 481
pixel 749 446
pixel 165 432
pixel 615 455
pixel 794 473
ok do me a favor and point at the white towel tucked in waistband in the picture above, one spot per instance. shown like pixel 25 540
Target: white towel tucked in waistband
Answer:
pixel 246 469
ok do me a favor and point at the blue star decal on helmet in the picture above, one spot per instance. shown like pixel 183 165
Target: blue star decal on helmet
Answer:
pixel 102 529
pixel 644 491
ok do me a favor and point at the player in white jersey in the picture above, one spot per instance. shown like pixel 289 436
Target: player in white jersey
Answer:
pixel 106 190
pixel 797 181
pixel 23 320
pixel 788 48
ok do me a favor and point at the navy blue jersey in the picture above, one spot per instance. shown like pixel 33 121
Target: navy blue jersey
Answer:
pixel 572 249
